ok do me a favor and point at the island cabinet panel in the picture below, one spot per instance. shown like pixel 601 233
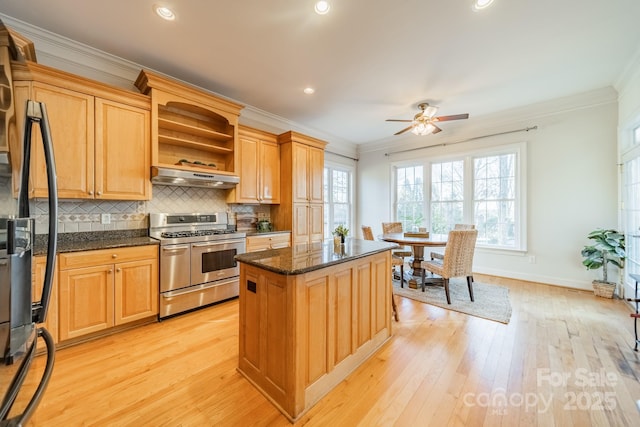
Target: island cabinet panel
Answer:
pixel 302 334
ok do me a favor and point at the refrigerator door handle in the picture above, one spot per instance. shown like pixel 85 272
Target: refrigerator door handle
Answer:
pixel 37 113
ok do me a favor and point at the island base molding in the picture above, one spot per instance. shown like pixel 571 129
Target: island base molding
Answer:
pixel 301 335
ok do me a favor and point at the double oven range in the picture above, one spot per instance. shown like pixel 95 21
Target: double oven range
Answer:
pixel 197 259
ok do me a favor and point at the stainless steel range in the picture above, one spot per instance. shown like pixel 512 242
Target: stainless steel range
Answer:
pixel 197 265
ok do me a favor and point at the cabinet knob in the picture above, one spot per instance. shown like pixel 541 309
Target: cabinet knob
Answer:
pixel 110 271
pixel 90 193
pixel 118 270
pixel 99 193
pixel 114 256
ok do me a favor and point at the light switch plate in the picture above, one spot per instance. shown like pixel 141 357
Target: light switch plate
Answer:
pixel 105 218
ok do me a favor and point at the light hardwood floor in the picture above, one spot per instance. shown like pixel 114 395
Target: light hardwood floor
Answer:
pixel 565 359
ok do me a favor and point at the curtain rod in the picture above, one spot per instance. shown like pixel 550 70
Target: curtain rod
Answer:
pixel 342 155
pixel 444 144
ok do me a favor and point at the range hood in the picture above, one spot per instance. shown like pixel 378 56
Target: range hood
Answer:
pixel 184 178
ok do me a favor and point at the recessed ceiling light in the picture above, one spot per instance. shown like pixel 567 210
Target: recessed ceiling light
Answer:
pixel 481 4
pixel 309 90
pixel 322 7
pixel 164 12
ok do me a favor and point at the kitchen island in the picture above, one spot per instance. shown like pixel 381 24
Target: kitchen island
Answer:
pixel 309 316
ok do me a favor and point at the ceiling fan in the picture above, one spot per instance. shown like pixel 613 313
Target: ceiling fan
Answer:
pixel 425 121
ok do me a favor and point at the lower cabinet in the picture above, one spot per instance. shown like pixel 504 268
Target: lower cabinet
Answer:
pixel 106 288
pixel 268 241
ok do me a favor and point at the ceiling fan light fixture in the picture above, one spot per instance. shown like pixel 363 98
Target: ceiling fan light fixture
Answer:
pixel 481 4
pixel 422 128
pixel 322 7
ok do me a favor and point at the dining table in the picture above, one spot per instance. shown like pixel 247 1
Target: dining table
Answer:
pixel 417 243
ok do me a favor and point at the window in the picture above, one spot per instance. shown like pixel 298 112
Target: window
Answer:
pixel 485 188
pixel 494 199
pixel 338 205
pixel 447 195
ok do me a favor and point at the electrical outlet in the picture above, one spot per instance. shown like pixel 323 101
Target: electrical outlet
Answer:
pixel 105 218
pixel 532 259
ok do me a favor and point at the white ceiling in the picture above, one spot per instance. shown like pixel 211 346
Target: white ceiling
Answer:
pixel 368 60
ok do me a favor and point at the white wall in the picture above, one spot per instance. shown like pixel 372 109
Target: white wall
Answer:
pixel 571 187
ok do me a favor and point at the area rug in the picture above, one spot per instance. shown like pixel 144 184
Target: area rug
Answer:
pixel 491 301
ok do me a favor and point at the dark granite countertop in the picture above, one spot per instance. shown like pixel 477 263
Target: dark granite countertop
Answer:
pixel 292 261
pixel 87 241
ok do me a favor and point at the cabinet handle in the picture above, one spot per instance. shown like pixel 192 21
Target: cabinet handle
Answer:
pixel 99 193
pixel 110 271
pixel 118 270
pixel 114 256
pixel 90 193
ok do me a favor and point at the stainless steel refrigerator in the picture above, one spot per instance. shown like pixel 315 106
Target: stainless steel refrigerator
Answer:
pixel 20 311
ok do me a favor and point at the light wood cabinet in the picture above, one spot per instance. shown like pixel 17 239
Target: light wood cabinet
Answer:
pixel 268 241
pixel 259 168
pixel 190 124
pixel 106 288
pixel 301 208
pixel 100 134
pixel 51 323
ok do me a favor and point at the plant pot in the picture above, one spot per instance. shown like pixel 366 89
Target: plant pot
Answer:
pixel 603 289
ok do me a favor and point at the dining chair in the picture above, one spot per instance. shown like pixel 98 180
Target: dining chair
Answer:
pixel 396 227
pixel 457 260
pixel 368 235
pixel 439 255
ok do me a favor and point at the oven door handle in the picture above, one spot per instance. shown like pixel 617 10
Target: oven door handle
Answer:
pixel 175 248
pixel 198 288
pixel 216 243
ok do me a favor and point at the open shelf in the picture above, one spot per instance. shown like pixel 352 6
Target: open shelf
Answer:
pixel 193 130
pixel 203 146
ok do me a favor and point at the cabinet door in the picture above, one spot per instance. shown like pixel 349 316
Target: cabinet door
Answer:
pixel 300 173
pixel 71 122
pixel 258 243
pixel 316 221
pixel 269 178
pixel 247 189
pixel 300 232
pixel 136 290
pixel 316 175
pixel 86 301
pixel 122 151
pixel 51 324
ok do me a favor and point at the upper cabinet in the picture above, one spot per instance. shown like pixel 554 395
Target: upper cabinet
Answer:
pixel 259 168
pixel 190 129
pixel 100 135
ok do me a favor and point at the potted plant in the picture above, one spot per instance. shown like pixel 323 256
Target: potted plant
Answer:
pixel 608 247
pixel 341 231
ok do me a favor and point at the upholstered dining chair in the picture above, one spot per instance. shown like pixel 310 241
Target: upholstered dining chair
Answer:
pixel 438 255
pixel 368 235
pixel 457 260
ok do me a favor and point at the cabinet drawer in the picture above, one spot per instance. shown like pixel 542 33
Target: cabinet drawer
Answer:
pixel 270 241
pixel 105 256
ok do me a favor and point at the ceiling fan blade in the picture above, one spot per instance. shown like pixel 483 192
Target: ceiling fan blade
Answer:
pixel 403 130
pixel 436 129
pixel 453 117
pixel 398 120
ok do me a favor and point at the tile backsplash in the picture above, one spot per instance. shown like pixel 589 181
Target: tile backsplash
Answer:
pixel 86 215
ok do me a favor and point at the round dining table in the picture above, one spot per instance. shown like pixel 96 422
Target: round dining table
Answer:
pixel 417 244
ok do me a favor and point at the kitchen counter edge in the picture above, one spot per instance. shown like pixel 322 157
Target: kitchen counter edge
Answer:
pixel 96 240
pixel 292 261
